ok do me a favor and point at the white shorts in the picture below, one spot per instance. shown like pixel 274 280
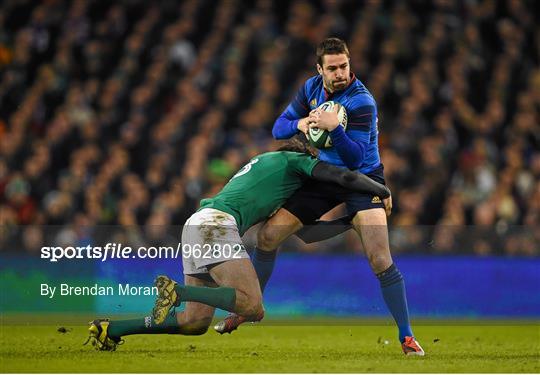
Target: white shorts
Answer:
pixel 210 236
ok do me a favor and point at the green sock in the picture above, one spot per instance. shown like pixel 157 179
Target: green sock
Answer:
pixel 146 325
pixel 222 297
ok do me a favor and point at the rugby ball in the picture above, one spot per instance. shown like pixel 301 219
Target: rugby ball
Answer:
pixel 320 138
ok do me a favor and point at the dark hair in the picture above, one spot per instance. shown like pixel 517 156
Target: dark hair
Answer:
pixel 295 145
pixel 331 46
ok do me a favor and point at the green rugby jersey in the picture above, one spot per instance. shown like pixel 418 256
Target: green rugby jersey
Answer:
pixel 261 187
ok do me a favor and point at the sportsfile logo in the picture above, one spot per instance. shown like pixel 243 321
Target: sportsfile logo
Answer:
pixel 110 251
pixel 118 251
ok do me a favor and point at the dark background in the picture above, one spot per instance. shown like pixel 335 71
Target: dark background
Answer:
pixel 129 112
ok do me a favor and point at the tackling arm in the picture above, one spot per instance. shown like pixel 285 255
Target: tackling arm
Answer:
pixel 323 230
pixel 349 179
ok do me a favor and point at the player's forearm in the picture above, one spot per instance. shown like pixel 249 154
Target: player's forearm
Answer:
pixel 361 182
pixel 323 230
pixel 351 152
pixel 349 179
pixel 285 128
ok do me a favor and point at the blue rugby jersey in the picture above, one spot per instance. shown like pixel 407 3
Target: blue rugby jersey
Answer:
pixel 355 148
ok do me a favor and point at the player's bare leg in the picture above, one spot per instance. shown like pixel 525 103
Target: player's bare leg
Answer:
pixel 240 275
pixel 372 227
pixel 275 230
pixel 249 299
pixel 194 320
pixel 238 291
pixel 196 317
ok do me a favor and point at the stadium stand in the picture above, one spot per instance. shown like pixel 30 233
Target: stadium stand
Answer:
pixel 128 113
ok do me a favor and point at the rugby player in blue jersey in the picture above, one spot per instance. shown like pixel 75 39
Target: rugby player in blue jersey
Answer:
pixel 355 148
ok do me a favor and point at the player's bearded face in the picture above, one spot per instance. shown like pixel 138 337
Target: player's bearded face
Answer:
pixel 336 72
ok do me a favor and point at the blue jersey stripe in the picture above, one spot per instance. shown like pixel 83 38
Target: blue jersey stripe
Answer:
pixel 360 136
pixel 362 126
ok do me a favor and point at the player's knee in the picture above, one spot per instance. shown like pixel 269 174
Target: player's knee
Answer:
pixel 379 262
pixel 266 239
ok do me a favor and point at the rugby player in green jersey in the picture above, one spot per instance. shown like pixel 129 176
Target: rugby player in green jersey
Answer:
pixel 217 269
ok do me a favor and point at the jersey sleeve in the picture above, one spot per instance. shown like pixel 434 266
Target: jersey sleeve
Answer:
pixel 360 119
pixel 286 124
pixel 351 145
pixel 301 164
pixel 299 107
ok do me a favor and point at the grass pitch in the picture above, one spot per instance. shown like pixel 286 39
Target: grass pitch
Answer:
pixel 278 348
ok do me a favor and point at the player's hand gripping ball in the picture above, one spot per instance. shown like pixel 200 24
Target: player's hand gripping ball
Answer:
pixel 320 138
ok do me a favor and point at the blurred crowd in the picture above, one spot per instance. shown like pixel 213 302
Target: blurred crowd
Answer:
pixel 127 113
